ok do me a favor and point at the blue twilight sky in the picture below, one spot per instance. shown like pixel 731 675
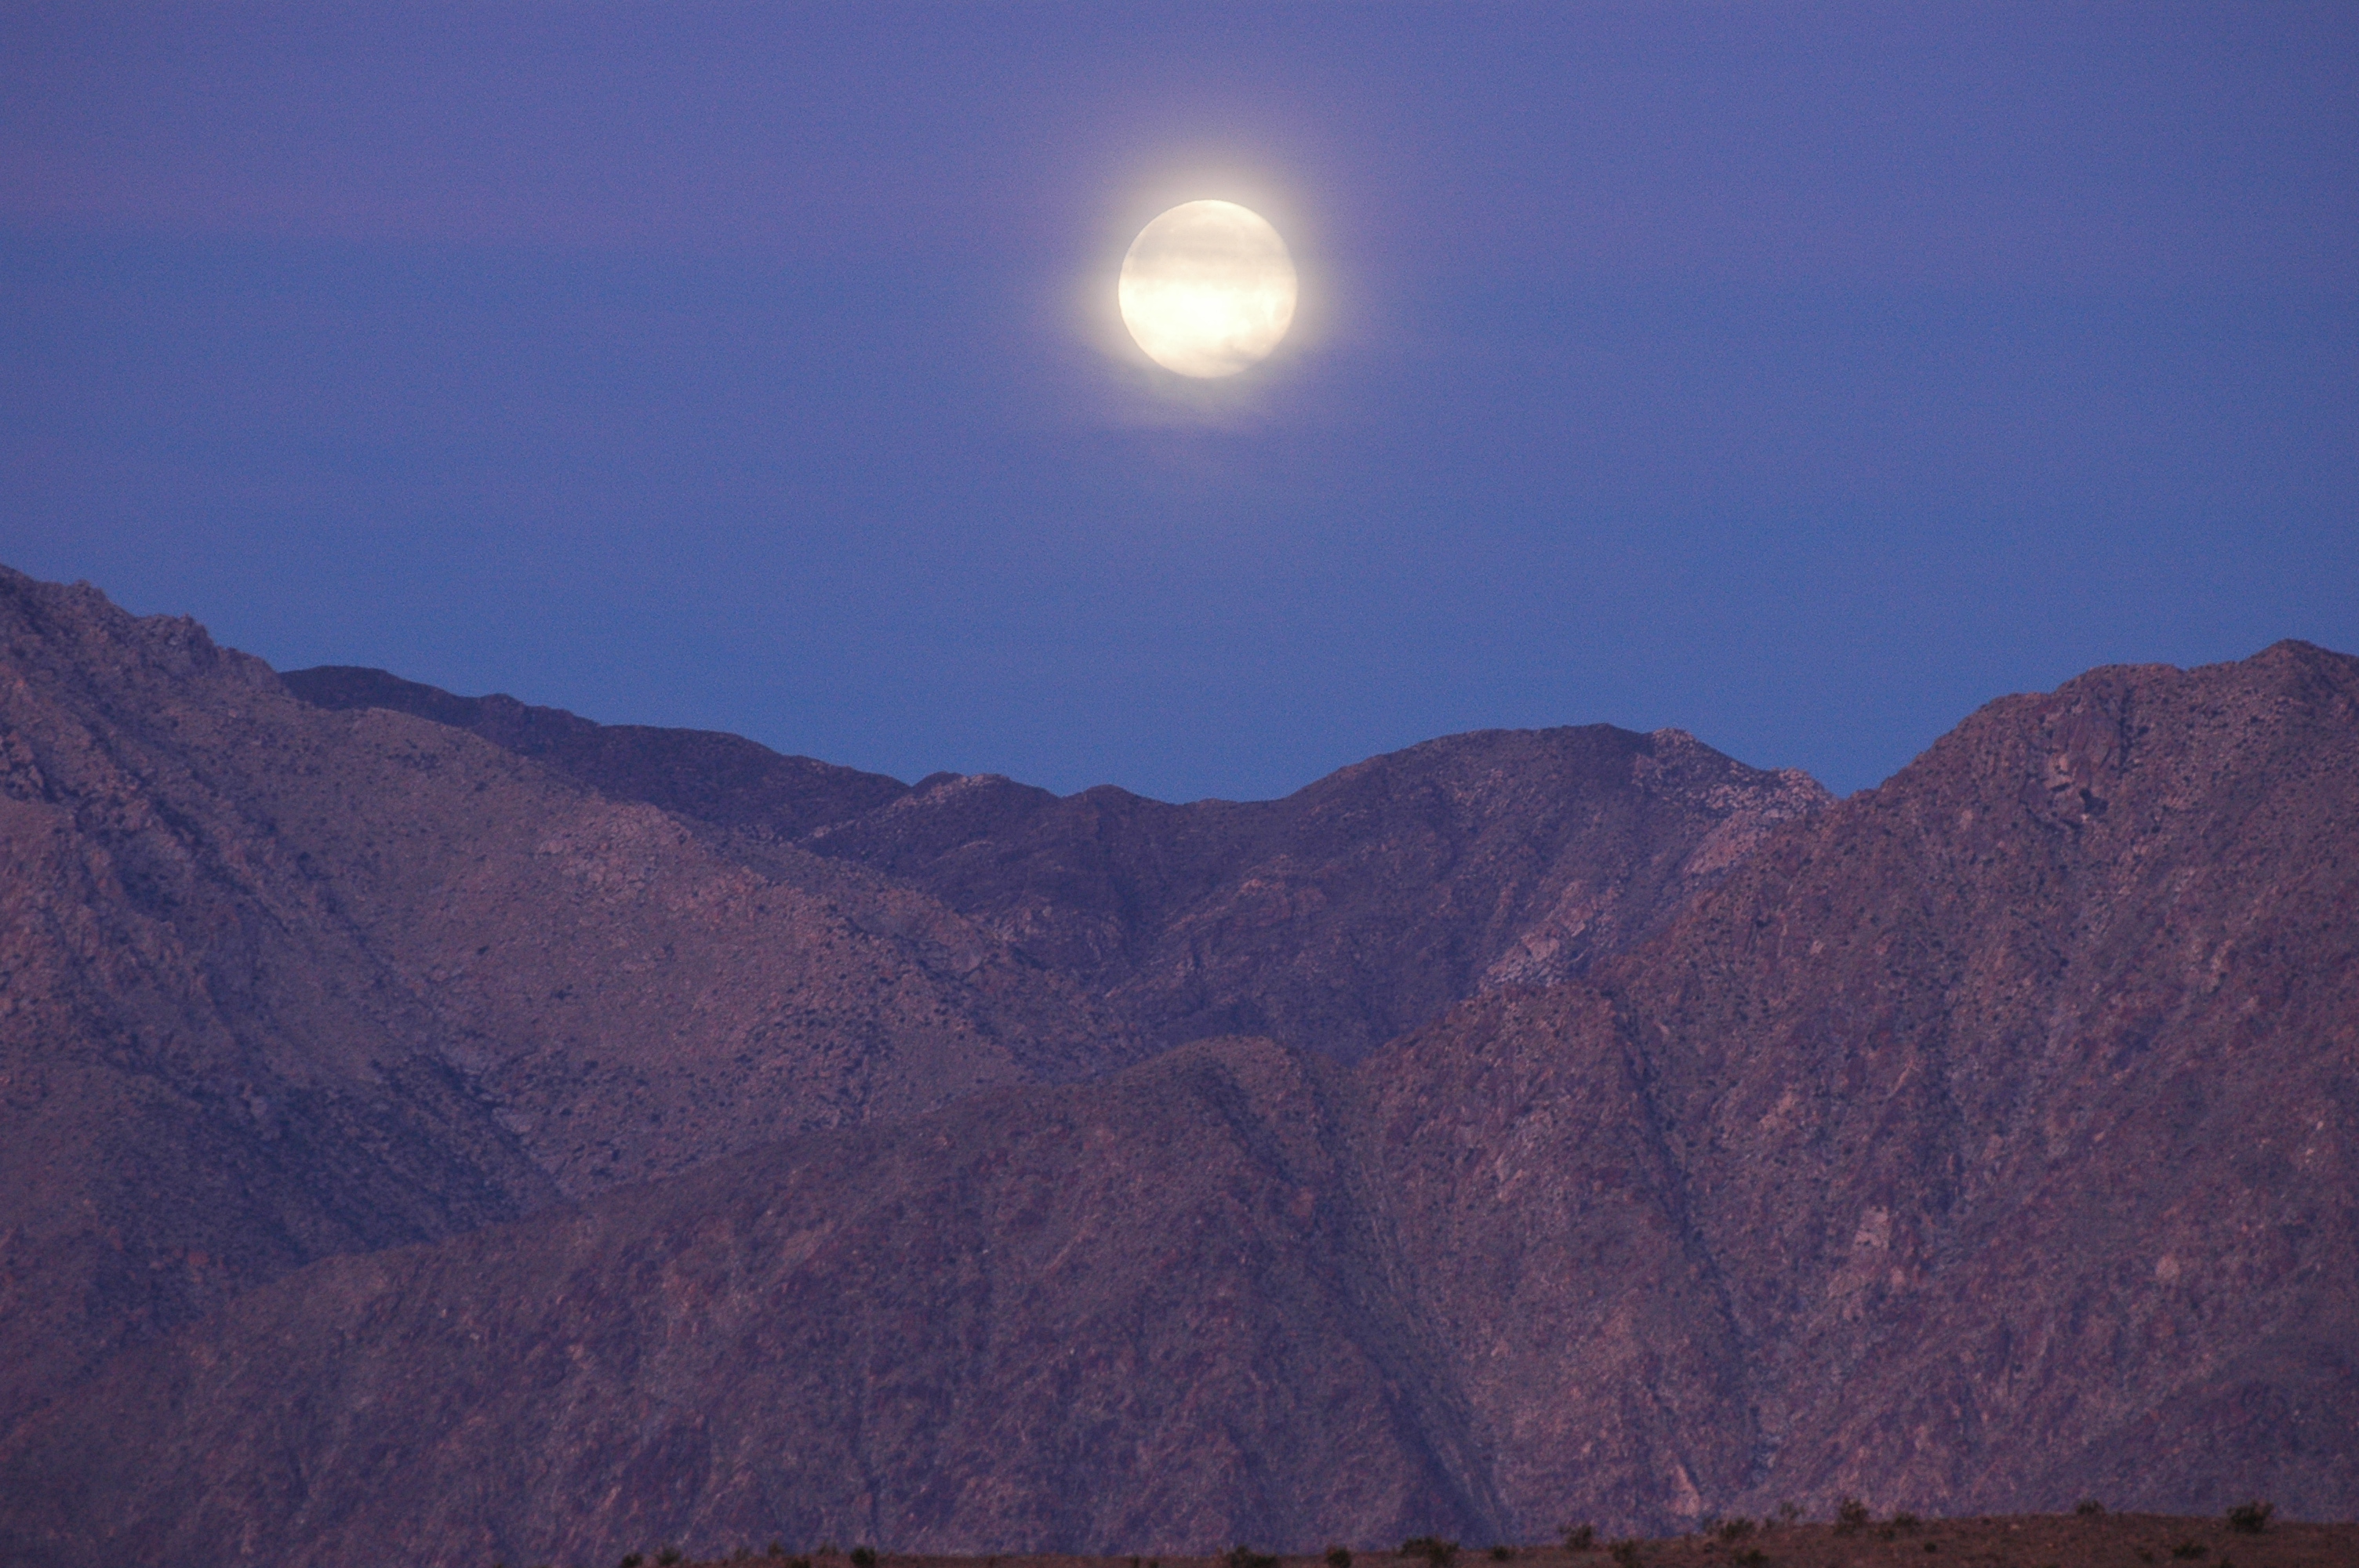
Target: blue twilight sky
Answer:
pixel 1803 377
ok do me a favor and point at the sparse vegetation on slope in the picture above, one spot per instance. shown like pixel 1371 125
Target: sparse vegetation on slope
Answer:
pixel 2080 1539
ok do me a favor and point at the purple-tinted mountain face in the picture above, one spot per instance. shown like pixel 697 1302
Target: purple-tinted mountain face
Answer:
pixel 699 774
pixel 1997 1141
pixel 278 982
pixel 438 1121
pixel 1334 919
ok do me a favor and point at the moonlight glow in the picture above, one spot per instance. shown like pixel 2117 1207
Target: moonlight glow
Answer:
pixel 1207 289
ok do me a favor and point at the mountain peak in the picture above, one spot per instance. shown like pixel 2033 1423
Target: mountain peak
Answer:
pixel 544 1137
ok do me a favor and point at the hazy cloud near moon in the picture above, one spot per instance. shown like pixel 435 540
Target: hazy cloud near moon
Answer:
pixel 1208 289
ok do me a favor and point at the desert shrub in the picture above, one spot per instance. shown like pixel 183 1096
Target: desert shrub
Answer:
pixel 1752 1557
pixel 1579 1536
pixel 1850 1515
pixel 1789 1512
pixel 1734 1530
pixel 1502 1553
pixel 631 1560
pixel 2089 1508
pixel 2251 1517
pixel 1243 1556
pixel 668 1556
pixel 1339 1556
pixel 1905 1521
pixel 864 1557
pixel 798 1561
pixel 1432 1548
pixel 2190 1550
pixel 1624 1553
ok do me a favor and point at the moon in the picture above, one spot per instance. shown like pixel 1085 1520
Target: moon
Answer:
pixel 1207 289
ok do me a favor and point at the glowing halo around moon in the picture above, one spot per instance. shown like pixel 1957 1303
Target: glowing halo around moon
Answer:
pixel 1207 289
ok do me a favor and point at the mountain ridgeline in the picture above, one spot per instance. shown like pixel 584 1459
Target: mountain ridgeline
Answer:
pixel 1334 920
pixel 450 1123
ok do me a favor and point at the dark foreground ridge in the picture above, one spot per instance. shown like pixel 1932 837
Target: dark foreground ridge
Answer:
pixel 447 1131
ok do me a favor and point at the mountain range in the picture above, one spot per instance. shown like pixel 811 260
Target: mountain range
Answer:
pixel 450 1123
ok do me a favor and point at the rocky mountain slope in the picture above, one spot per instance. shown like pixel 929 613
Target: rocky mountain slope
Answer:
pixel 1334 919
pixel 1151 1309
pixel 1979 1143
pixel 277 983
pixel 2007 1133
pixel 285 979
pixel 1998 1136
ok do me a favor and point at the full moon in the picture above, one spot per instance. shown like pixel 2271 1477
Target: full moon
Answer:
pixel 1207 289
